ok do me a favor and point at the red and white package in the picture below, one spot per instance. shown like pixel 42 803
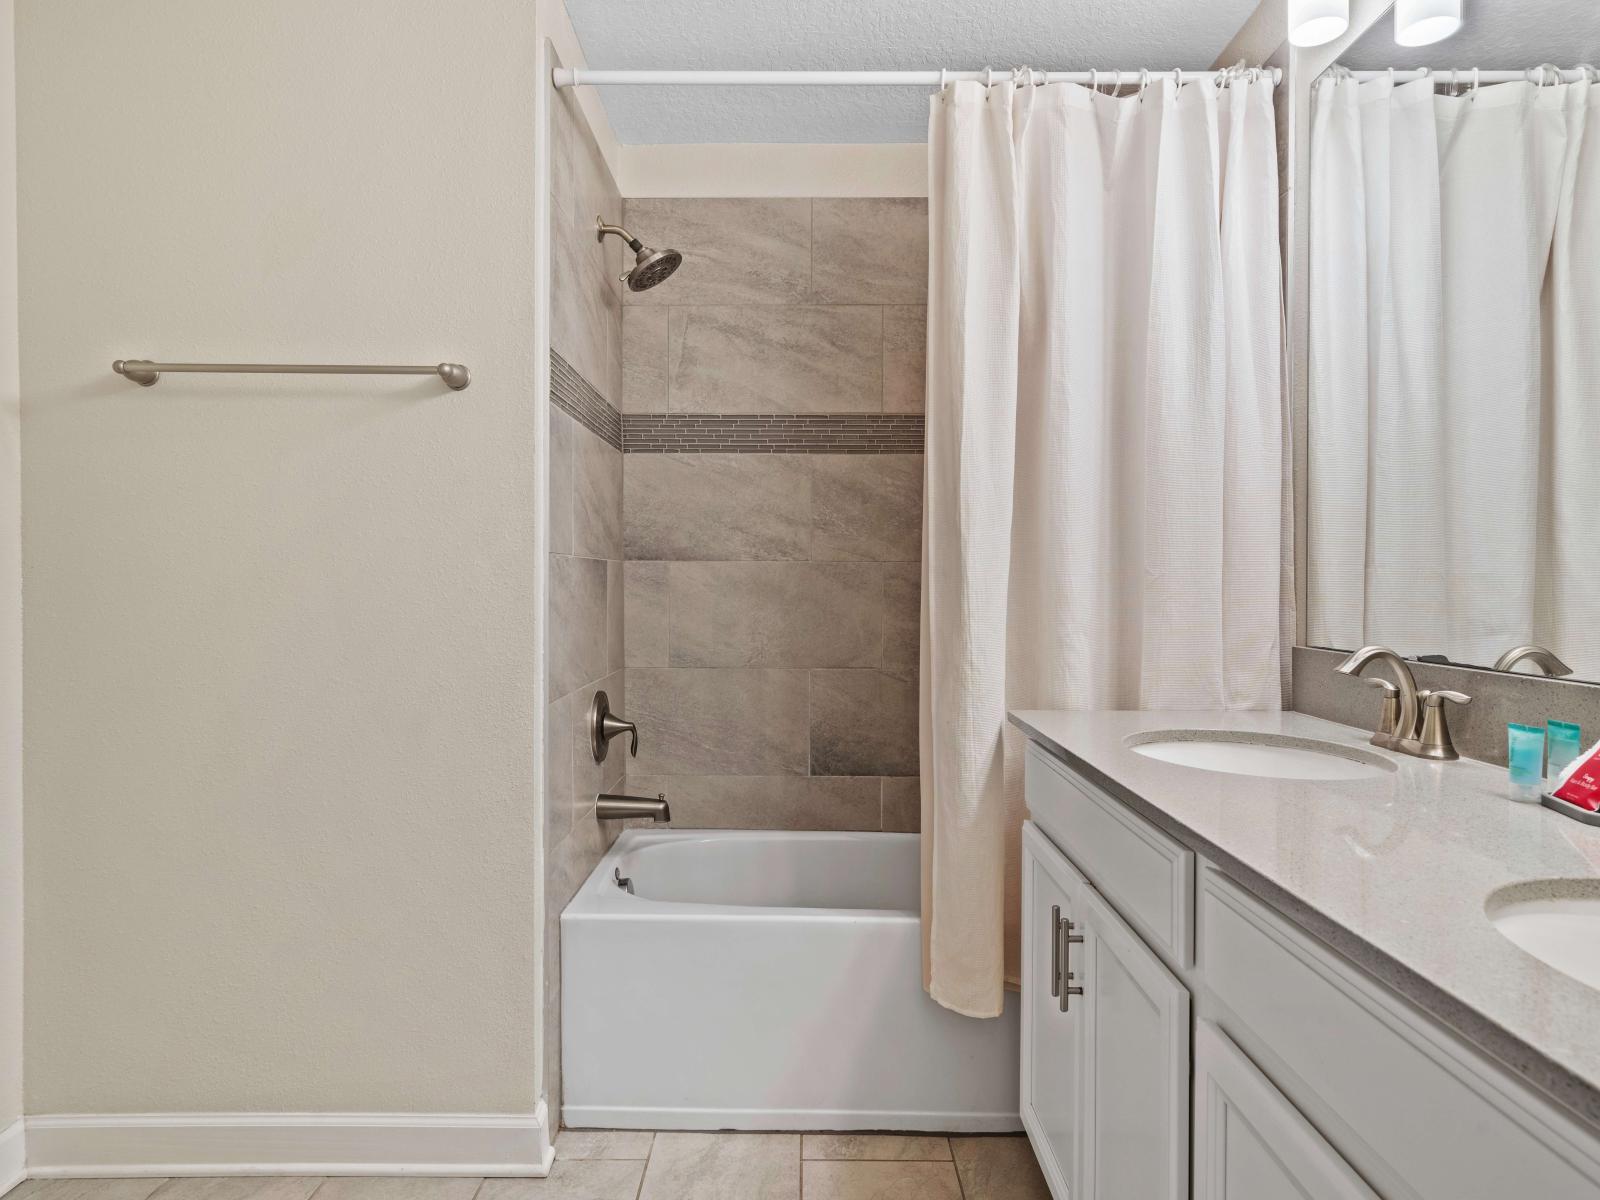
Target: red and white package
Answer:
pixel 1580 783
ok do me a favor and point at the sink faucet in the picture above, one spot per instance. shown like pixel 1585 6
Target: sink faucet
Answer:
pixel 1546 661
pixel 1413 721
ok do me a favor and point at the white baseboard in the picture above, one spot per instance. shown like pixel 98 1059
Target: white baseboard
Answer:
pixel 13 1156
pixel 122 1144
pixel 599 1116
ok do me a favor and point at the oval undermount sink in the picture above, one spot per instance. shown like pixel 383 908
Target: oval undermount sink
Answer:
pixel 1555 920
pixel 1269 755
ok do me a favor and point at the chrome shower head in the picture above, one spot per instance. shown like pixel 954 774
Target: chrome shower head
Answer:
pixel 650 267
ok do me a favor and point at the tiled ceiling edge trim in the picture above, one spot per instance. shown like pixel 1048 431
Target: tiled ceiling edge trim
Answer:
pixel 814 433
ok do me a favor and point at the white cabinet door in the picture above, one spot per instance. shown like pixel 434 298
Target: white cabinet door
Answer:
pixel 1050 1047
pixel 1250 1143
pixel 1134 1061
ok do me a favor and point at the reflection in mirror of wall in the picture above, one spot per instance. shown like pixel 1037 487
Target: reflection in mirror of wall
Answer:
pixel 1453 432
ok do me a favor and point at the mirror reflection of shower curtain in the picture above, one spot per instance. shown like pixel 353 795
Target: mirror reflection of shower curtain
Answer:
pixel 1104 511
pixel 1455 369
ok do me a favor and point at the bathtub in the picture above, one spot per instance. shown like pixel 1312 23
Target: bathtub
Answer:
pixel 767 981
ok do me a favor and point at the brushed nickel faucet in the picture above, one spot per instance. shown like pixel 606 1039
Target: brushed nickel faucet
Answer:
pixel 1544 659
pixel 1413 722
pixel 608 807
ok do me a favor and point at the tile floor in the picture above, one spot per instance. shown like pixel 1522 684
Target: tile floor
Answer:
pixel 627 1165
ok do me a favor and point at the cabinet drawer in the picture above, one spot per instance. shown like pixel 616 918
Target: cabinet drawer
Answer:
pixel 1250 1143
pixel 1147 876
pixel 1416 1111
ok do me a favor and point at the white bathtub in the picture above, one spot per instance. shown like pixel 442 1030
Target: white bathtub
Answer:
pixel 767 981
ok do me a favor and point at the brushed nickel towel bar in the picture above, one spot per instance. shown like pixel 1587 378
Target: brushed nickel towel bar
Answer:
pixel 144 372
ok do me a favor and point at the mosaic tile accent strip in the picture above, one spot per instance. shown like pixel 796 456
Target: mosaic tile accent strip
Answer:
pixel 576 397
pixel 825 433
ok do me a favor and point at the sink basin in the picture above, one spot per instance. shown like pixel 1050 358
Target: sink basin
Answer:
pixel 1270 755
pixel 1555 920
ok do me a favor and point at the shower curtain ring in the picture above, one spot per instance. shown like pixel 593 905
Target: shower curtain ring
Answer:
pixel 988 77
pixel 1094 80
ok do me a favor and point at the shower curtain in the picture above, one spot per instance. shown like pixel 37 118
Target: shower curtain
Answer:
pixel 1104 509
pixel 1455 376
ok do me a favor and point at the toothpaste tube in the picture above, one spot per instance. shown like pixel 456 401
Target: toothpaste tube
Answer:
pixel 1580 783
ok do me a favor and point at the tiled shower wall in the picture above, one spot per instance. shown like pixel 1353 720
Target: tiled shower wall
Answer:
pixel 772 399
pixel 584 615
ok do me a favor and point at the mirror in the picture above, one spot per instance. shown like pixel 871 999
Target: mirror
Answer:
pixel 1452 488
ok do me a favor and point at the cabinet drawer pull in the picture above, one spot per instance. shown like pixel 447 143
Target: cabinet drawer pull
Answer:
pixel 1066 939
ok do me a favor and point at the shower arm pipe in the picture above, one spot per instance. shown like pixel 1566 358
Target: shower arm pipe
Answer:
pixel 566 77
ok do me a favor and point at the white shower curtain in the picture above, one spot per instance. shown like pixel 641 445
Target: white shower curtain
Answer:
pixel 1104 522
pixel 1455 372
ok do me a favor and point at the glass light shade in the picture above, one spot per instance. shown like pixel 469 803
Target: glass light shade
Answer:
pixel 1423 22
pixel 1313 22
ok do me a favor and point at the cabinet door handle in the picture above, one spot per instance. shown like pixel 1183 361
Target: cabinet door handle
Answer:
pixel 1055 951
pixel 1066 940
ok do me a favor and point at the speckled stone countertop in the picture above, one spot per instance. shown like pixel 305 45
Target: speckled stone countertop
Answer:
pixel 1393 872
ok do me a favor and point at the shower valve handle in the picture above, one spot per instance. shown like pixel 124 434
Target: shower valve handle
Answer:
pixel 603 726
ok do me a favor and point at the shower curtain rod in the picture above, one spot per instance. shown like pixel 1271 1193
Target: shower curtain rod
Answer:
pixel 565 77
pixel 1468 75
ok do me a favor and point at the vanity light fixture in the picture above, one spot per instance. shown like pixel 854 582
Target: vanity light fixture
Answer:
pixel 1313 22
pixel 1423 22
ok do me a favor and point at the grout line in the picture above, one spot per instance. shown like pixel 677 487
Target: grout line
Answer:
pixel 481 1182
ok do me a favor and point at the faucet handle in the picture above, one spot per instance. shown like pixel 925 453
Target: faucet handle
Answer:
pixel 1435 738
pixel 1389 721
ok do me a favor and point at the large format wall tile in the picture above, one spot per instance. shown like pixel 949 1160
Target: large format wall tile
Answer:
pixel 905 355
pixel 644 359
pixel 557 770
pixel 717 506
pixel 597 502
pixel 863 723
pixel 577 643
pixel 869 251
pixel 775 614
pixel 616 634
pixel 560 489
pixel 720 721
pixel 764 801
pixel 644 613
pixel 902 804
pixel 902 614
pixel 734 251
pixel 866 506
pixel 776 359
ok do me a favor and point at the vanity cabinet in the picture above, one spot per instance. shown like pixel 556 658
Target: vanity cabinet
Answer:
pixel 1308 1077
pixel 1105 1031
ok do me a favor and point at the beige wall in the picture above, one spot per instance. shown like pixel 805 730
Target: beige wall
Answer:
pixel 281 681
pixel 10 607
pixel 585 560
pixel 772 599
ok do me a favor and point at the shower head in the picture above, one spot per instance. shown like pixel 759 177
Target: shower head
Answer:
pixel 650 267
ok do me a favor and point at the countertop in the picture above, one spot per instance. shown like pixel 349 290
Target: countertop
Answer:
pixel 1392 872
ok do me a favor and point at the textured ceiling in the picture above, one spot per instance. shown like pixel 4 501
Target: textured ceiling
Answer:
pixel 893 35
pixel 1494 33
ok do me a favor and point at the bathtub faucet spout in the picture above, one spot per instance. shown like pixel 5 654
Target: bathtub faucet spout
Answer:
pixel 620 808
